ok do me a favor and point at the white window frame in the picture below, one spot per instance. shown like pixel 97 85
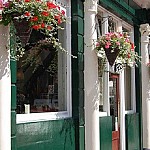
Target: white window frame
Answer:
pixel 36 117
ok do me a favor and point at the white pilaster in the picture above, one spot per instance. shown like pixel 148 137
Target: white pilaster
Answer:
pixel 122 102
pixel 122 112
pixel 91 79
pixel 145 31
pixel 5 91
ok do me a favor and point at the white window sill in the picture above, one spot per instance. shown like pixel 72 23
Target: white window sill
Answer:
pixel 37 117
pixel 102 114
pixel 129 112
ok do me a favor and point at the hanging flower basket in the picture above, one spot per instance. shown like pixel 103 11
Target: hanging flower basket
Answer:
pixel 43 16
pixel 117 47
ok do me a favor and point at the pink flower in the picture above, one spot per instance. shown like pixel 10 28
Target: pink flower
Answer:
pixel 118 43
pixel 108 38
pixel 106 46
pixel 97 44
pixel 127 40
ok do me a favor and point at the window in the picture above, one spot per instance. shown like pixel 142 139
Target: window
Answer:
pixel 44 87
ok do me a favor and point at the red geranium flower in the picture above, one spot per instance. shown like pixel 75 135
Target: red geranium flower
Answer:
pixel 132 46
pixel 63 12
pixel 58 18
pixel 129 55
pixel 27 14
pixel 49 27
pixel 36 27
pixel 43 25
pixel 51 5
pixel 34 18
pixel 27 1
pixel 45 13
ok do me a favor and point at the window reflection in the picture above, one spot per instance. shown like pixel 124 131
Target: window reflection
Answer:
pixel 38 82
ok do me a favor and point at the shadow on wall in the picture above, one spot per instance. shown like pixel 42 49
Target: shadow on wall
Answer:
pixel 4 52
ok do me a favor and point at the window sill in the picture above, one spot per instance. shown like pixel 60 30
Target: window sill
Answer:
pixel 37 117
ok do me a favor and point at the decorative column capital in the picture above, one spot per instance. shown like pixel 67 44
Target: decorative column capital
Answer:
pixel 91 5
pixel 145 29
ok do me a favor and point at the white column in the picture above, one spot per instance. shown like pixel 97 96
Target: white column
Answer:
pixel 91 79
pixel 5 91
pixel 145 31
pixel 122 102
pixel 122 112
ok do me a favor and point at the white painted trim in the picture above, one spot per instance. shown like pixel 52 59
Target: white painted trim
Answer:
pixel 68 47
pixel 5 90
pixel 133 95
pixel 129 112
pixel 106 105
pixel 102 114
pixel 36 117
pixel 116 19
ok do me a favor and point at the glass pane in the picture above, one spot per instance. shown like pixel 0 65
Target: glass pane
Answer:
pixel 128 88
pixel 101 66
pixel 111 25
pixel 41 85
pixel 114 99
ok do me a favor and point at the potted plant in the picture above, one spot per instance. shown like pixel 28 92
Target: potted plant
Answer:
pixel 44 16
pixel 117 47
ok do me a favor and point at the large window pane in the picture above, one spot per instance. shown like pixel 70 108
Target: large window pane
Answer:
pixel 41 86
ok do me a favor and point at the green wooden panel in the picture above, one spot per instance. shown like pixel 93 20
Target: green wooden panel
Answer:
pixel 132 132
pixel 13 66
pixel 53 135
pixel 13 143
pixel 81 61
pixel 81 116
pixel 82 137
pixel 77 8
pixel 80 26
pixel 13 97
pixel 80 43
pixel 105 124
pixel 13 123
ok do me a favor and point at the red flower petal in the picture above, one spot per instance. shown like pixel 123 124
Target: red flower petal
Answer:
pixel 27 1
pixel 50 5
pixel 63 12
pixel 43 25
pixel 45 13
pixel 34 18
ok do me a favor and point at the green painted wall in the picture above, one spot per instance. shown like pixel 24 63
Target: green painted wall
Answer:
pixel 132 132
pixel 78 72
pixel 105 125
pixel 46 135
pixel 65 134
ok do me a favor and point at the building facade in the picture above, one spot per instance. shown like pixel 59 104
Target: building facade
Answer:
pixel 73 106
